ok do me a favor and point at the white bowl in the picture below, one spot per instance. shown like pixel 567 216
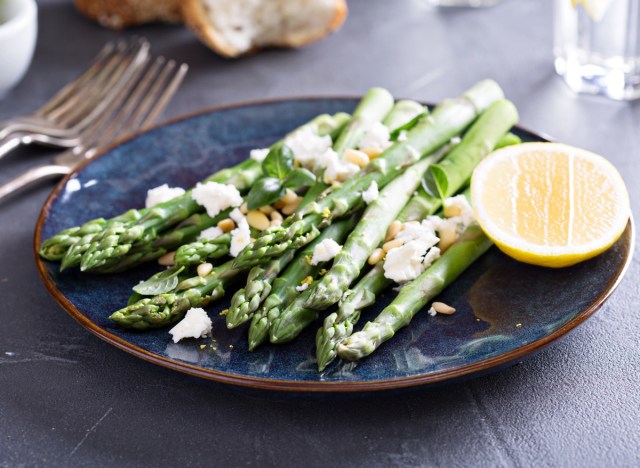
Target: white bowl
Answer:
pixel 18 31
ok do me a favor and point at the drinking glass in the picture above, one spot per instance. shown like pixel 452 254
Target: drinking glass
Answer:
pixel 596 46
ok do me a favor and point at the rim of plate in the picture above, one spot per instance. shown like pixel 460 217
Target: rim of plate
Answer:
pixel 296 386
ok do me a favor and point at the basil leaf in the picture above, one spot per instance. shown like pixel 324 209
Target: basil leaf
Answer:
pixel 393 136
pixel 159 283
pixel 265 192
pixel 279 162
pixel 299 178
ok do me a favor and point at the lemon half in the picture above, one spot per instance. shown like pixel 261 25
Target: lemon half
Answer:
pixel 549 204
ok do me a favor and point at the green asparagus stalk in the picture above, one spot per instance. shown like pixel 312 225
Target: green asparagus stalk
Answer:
pixel 451 174
pixel 247 300
pixel 338 326
pixel 117 238
pixel 165 309
pixel 284 291
pixel 203 250
pixel 366 236
pixel 374 106
pixel 415 295
pixel 448 120
pixel 185 233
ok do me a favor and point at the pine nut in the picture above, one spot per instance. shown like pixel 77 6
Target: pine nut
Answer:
pixel 393 230
pixel 204 269
pixel 447 236
pixel 266 209
pixel 291 207
pixel 373 153
pixel 376 256
pixel 289 197
pixel 356 157
pixel 167 259
pixel 279 204
pixel 257 220
pixel 443 308
pixel 244 208
pixel 226 225
pixel 452 210
pixel 392 244
pixel 275 216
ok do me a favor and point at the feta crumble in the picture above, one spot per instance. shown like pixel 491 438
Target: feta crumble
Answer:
pixel 402 136
pixel 376 136
pixel 259 154
pixel 371 193
pixel 302 287
pixel 210 233
pixel 216 197
pixel 407 262
pixel 162 194
pixel 307 146
pixel 335 169
pixel 195 324
pixel 325 250
pixel 237 216
pixel 432 312
pixel 240 238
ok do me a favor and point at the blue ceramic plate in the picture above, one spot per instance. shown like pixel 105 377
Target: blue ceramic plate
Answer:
pixel 505 310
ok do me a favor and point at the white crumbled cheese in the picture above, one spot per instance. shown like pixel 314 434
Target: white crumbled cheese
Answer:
pixel 371 193
pixel 216 197
pixel 336 169
pixel 432 312
pixel 402 136
pixel 240 238
pixel 325 250
pixel 302 287
pixel 376 136
pixel 462 206
pixel 195 324
pixel 211 233
pixel 259 154
pixel 406 262
pixel 307 146
pixel 236 215
pixel 162 194
pixel 413 230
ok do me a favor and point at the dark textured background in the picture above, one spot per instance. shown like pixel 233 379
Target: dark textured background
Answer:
pixel 68 399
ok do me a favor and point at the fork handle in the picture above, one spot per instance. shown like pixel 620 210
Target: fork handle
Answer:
pixel 9 142
pixel 30 178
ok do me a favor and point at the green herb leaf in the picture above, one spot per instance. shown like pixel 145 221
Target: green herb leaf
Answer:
pixel 160 283
pixel 265 192
pixel 299 178
pixel 393 136
pixel 279 162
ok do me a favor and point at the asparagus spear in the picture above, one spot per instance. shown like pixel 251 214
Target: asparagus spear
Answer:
pixel 447 120
pixel 338 326
pixel 247 300
pixel 347 265
pixel 415 295
pixel 117 238
pixel 446 177
pixel 284 289
pixel 164 309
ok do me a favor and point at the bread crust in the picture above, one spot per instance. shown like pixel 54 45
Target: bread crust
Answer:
pixel 118 14
pixel 196 18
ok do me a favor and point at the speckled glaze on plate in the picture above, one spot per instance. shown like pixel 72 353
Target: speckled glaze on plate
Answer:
pixel 505 310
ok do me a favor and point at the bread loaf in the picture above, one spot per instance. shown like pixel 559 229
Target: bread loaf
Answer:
pixel 238 27
pixel 229 27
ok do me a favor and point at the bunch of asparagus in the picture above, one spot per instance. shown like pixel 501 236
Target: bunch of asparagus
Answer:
pixel 284 292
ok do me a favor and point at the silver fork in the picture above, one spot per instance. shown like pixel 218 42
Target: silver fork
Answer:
pixel 61 120
pixel 135 107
